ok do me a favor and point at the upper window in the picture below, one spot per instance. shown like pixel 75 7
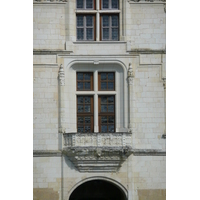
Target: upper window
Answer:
pixel 105 28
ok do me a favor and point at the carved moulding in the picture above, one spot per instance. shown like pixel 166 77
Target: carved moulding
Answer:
pixel 97 159
pixel 97 152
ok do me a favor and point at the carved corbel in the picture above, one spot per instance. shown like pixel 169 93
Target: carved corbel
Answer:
pixel 130 74
pixel 164 83
pixel 61 75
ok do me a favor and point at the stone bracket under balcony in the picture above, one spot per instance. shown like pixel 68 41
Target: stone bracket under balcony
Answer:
pixel 97 152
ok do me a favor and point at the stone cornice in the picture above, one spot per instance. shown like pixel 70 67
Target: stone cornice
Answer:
pixel 147 1
pixel 48 51
pixel 47 153
pixel 148 152
pixel 49 2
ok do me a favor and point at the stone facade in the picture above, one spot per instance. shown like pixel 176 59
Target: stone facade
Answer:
pixel 132 158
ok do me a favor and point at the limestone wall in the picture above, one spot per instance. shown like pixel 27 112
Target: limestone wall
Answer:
pixel 48 26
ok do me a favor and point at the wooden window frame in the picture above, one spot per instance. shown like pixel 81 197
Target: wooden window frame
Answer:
pixel 105 114
pixel 91 81
pixel 84 27
pixel 86 114
pixel 109 26
pixel 107 81
pixel 84 5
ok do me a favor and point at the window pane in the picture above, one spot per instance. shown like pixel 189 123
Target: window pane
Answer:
pixel 111 99
pixel 87 85
pixel 87 129
pixel 105 33
pixel 111 128
pixel 80 99
pixel 114 33
pixel 104 128
pixel 105 20
pixel 80 76
pixel 80 129
pixel 105 3
pixel 79 20
pixel 103 76
pixel 79 3
pixel 87 99
pixel 103 99
pixel 110 86
pixel 114 20
pixel 103 108
pixel 103 86
pixel 89 20
pixel 110 76
pixel 80 85
pixel 87 76
pixel 111 120
pixel 110 108
pixel 114 3
pixel 87 108
pixel 80 120
pixel 89 33
pixel 89 3
pixel 104 120
pixel 80 108
pixel 80 33
pixel 87 120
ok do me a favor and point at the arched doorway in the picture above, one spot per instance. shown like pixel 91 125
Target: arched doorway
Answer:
pixel 97 190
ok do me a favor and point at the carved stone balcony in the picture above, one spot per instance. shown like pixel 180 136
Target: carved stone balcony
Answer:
pixel 97 152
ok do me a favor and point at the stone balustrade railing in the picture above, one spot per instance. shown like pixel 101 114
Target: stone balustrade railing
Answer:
pixel 97 139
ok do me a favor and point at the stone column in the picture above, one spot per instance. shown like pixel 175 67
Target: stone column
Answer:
pixel 61 75
pixel 130 99
pixel 164 85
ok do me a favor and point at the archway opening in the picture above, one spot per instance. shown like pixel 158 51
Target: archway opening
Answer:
pixel 97 190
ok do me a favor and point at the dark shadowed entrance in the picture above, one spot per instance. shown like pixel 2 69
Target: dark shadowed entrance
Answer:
pixel 97 190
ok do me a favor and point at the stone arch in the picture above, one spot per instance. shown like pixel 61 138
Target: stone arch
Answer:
pixel 99 189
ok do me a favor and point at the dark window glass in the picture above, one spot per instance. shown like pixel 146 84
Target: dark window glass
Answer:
pixel 84 81
pixel 106 81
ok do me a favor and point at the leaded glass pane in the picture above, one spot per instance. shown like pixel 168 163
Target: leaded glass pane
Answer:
pixel 110 99
pixel 104 120
pixel 80 120
pixel 80 76
pixel 111 128
pixel 80 108
pixel 80 33
pixel 79 3
pixel 105 20
pixel 80 99
pixel 103 108
pixel 103 128
pixel 114 33
pixel 103 76
pixel 87 85
pixel 110 108
pixel 87 129
pixel 103 99
pixel 87 76
pixel 111 119
pixel 103 85
pixel 89 20
pixel 105 33
pixel 89 3
pixel 114 3
pixel 87 108
pixel 110 76
pixel 79 20
pixel 80 129
pixel 114 20
pixel 87 120
pixel 87 99
pixel 110 86
pixel 89 33
pixel 80 85
pixel 105 3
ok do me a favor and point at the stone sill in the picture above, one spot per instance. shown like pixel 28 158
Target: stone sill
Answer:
pixel 99 42
pixel 147 2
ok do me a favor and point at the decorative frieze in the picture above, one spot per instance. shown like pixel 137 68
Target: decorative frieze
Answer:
pixel 61 75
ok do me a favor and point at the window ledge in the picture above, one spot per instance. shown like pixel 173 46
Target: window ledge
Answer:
pixel 99 42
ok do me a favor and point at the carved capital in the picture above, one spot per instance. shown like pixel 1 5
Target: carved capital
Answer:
pixel 61 75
